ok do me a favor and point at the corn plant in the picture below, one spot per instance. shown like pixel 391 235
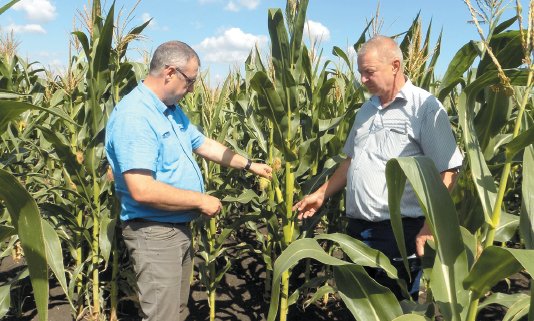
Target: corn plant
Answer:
pixel 304 106
pixel 210 110
pixel 458 262
pixel 86 95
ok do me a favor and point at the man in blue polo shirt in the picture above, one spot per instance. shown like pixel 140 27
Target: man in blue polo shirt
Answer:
pixel 399 120
pixel 150 144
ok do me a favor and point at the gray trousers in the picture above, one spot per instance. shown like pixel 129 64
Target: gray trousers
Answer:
pixel 161 254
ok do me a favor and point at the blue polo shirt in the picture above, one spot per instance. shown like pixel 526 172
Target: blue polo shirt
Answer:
pixel 143 133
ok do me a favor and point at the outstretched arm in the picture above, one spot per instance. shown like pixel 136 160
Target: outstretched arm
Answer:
pixel 310 204
pixel 216 152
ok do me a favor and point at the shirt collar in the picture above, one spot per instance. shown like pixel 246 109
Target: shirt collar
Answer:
pixel 164 109
pixel 403 94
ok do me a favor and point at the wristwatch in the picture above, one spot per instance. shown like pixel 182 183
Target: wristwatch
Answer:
pixel 247 167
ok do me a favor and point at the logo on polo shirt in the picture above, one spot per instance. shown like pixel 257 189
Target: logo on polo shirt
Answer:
pixel 166 135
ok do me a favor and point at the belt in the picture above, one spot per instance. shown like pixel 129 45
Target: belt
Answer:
pixel 144 220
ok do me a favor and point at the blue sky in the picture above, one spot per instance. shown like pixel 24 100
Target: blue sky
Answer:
pixel 224 31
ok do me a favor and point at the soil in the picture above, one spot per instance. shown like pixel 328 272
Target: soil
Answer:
pixel 239 297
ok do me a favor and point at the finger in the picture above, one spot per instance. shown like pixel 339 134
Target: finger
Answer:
pixel 296 206
pixel 309 213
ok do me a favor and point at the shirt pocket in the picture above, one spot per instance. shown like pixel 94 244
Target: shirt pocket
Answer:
pixel 169 148
pixel 396 141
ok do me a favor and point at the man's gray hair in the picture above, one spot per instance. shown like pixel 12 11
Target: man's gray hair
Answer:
pixel 386 48
pixel 172 53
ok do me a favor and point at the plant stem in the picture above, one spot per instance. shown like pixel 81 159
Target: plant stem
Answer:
pixel 496 215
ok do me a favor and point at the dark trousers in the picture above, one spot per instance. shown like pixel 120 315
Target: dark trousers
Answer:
pixel 379 236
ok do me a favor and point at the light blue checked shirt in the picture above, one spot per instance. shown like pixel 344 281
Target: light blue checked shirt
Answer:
pixel 414 124
pixel 143 133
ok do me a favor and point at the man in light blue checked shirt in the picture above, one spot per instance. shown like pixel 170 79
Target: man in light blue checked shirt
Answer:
pixel 150 144
pixel 399 120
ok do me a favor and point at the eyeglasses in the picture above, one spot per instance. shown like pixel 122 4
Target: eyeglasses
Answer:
pixel 188 81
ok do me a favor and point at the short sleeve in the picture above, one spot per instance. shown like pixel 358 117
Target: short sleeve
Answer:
pixel 437 139
pixel 196 137
pixel 135 143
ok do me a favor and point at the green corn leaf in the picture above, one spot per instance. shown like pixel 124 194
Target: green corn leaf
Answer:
pixel 504 299
pixel 84 41
pixel 5 292
pixel 7 6
pixel 280 47
pixel 360 253
pixel 5 232
pixel 518 310
pixel 523 140
pixel 451 259
pixel 54 255
pixel 411 317
pixel 493 115
pixel 494 264
pixel 298 30
pixel 27 222
pixel 364 297
pixel 428 76
pixel 507 227
pixel 270 106
pixel 10 110
pixel 527 201
pixel 296 251
pixel 460 63
pixel 481 175
pixel 106 235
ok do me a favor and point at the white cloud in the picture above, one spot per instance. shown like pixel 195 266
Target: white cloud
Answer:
pixel 146 16
pixel 37 10
pixel 232 6
pixel 239 4
pixel 154 25
pixel 29 28
pixel 231 46
pixel 316 31
pixel 351 52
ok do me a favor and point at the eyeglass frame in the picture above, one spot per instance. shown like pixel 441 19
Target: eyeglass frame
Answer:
pixel 188 80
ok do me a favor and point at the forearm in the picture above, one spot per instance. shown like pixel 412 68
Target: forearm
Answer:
pixel 337 181
pixel 145 190
pixel 216 152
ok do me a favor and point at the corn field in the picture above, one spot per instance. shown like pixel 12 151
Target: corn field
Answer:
pixel 294 110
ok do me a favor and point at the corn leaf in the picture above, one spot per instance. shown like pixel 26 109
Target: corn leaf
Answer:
pixel 364 297
pixel 411 317
pixel 10 110
pixel 296 251
pixel 451 259
pixel 503 299
pixel 460 63
pixel 527 201
pixel 523 140
pixel 27 222
pixel 494 264
pixel 5 292
pixel 54 255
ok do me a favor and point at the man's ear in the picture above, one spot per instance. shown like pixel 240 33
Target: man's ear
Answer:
pixel 168 72
pixel 396 65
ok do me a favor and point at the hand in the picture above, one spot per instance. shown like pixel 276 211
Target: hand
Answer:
pixel 262 170
pixel 424 235
pixel 309 205
pixel 210 206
